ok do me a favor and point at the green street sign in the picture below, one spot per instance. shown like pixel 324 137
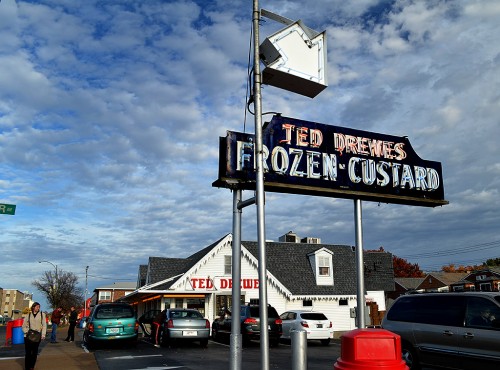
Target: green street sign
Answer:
pixel 7 209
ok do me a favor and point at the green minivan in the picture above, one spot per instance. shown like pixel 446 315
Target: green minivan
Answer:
pixel 111 322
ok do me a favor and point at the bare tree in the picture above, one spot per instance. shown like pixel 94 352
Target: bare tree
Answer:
pixel 61 290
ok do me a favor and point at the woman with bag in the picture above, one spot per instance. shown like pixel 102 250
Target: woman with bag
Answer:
pixel 34 329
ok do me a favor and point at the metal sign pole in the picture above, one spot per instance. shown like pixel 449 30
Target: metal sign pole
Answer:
pixel 261 233
pixel 235 345
pixel 358 219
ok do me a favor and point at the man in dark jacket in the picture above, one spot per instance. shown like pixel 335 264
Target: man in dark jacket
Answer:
pixel 56 320
pixel 73 315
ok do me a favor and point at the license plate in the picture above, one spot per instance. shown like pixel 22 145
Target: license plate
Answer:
pixel 319 325
pixel 189 333
pixel 113 330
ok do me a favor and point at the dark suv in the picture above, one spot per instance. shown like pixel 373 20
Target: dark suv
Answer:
pixel 250 324
pixel 448 330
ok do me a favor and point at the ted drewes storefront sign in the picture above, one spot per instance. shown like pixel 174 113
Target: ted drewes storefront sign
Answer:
pixel 304 157
pixel 221 283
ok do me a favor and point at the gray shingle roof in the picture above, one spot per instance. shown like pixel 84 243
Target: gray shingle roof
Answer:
pixel 409 283
pixel 289 263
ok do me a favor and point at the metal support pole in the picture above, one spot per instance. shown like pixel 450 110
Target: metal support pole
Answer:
pixel 85 299
pixel 235 341
pixel 57 283
pixel 299 349
pixel 358 219
pixel 261 232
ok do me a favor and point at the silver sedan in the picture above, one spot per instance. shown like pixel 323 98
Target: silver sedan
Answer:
pixel 184 324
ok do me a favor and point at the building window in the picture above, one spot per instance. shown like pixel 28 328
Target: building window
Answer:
pixel 324 266
pixel 227 265
pixel 307 303
pixel 104 295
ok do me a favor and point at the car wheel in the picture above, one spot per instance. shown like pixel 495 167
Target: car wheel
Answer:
pixel 204 343
pixel 325 342
pixel 410 357
pixel 86 341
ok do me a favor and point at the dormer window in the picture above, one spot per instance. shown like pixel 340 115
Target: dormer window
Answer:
pixel 321 264
pixel 324 265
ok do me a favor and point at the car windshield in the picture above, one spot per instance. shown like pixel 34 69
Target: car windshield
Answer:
pixel 313 316
pixel 114 312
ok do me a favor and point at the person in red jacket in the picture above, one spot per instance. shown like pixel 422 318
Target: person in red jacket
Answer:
pixel 56 320
pixel 156 328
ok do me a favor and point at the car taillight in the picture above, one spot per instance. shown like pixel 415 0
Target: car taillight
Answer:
pixel 278 321
pixel 91 327
pixel 304 324
pixel 207 324
pixel 170 324
pixel 250 321
pixel 331 325
pixel 136 326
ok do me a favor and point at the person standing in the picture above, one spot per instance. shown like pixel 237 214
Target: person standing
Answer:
pixel 156 328
pixel 35 321
pixel 56 320
pixel 72 323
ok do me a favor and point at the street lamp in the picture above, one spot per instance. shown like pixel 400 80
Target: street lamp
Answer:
pixel 57 281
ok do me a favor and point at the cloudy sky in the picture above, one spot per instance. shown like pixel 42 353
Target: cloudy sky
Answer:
pixel 111 112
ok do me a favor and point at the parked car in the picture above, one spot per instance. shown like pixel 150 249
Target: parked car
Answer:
pixel 250 324
pixel 316 325
pixel 183 324
pixel 111 322
pixel 448 330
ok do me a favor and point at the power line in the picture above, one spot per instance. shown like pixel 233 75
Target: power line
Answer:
pixel 455 251
pixel 111 278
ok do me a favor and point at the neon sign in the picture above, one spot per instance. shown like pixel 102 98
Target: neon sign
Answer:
pixel 310 158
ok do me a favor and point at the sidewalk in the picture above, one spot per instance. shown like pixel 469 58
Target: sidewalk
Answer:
pixel 57 356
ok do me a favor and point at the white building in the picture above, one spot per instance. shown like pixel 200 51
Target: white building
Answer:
pixel 308 276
